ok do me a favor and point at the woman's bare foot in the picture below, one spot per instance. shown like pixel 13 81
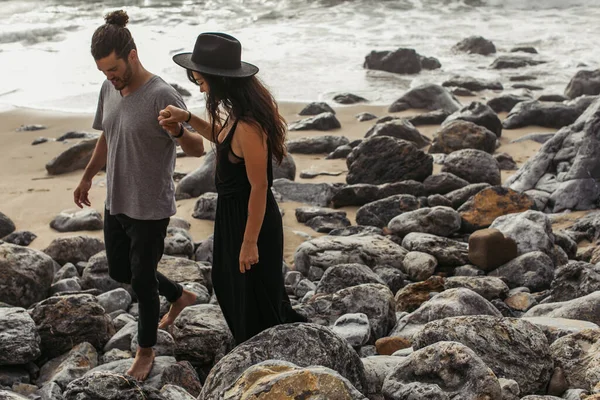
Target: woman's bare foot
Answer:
pixel 187 299
pixel 142 365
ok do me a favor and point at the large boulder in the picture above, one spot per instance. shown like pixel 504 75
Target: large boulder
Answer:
pixel 428 96
pixel 301 344
pixel 400 129
pixel 344 276
pixel 322 122
pixel 475 45
pixel 479 114
pixel 363 193
pixel 19 339
pixel 474 166
pixel 449 253
pixel 400 61
pixel 459 135
pixel 380 212
pixel 586 308
pixel 532 230
pixel 578 354
pixel 316 194
pixel 440 221
pixel 584 82
pixel 384 159
pixel 75 157
pixel 6 225
pixel 533 270
pixel 549 115
pixel 473 84
pixel 77 220
pixel 73 249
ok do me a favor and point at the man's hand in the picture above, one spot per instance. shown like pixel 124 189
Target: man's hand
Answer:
pixel 80 195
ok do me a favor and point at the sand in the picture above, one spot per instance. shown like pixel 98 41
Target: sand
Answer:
pixel 32 198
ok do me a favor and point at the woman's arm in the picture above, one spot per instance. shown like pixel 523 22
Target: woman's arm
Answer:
pixel 253 143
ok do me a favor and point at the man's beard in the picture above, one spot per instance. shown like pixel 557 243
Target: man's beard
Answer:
pixel 121 83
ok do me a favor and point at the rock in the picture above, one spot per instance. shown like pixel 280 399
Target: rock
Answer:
pixel 71 319
pixel 584 83
pixel 428 96
pixel 533 270
pixel 531 230
pixel 380 212
pixel 77 135
pixel 400 129
pixel 316 108
pixel 20 238
pixel 479 114
pixel 400 61
pixel 69 366
pixel 74 158
pixel 440 221
pixel 310 344
pixel 473 84
pixel 577 355
pixel 504 62
pixel 489 249
pixel 474 166
pixel 172 392
pixel 316 144
pixel 430 118
pixel 511 348
pixel 475 45
pixel 506 102
pixel 315 256
pixel 559 98
pixel 201 335
pixel 449 253
pixel 202 180
pixel 377 367
pixel 108 385
pixel 355 328
pixel 19 340
pixel 524 49
pixel 286 381
pixel 181 270
pixel 204 250
pixel 443 370
pixel 179 242
pixel 437 200
pixel 66 285
pixel 339 152
pixel 348 98
pixel 468 270
pixel 506 162
pixel 389 345
pixel 510 389
pixel 165 345
pixel 584 308
pixel 526 86
pixel 73 249
pixel 6 225
pixel 118 299
pixel 39 140
pixel 342 276
pixel 316 194
pixel 384 159
pixel 9 395
pixel 77 220
pixel 95 275
pixel 549 115
pixel 181 90
pixel 486 286
pixel 573 280
pixel 363 193
pixel 412 296
pixel 486 206
pixel 460 135
pixel 443 183
pixel 304 214
pixel 459 196
pixel 311 174
pixel 321 122
pixel 430 63
pixel 50 391
pixel 31 128
pixel 463 92
pixel 365 116
pixel 25 275
pixel 419 266
pixel 555 328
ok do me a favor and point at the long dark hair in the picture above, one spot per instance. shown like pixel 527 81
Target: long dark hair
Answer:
pixel 248 100
pixel 113 36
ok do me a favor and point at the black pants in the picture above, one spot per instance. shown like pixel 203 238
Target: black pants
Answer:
pixel 133 249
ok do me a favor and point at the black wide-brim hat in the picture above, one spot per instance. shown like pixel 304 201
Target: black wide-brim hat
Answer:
pixel 216 54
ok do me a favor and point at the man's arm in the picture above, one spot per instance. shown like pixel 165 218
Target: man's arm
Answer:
pixel 191 143
pixel 97 162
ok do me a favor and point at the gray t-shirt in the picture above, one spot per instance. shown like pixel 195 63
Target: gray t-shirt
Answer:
pixel 141 154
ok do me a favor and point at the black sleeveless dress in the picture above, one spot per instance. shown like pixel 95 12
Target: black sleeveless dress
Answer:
pixel 255 300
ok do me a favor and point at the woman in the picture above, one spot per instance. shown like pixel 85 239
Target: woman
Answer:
pixel 248 132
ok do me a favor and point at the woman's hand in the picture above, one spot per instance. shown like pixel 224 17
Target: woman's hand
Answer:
pixel 248 256
pixel 172 115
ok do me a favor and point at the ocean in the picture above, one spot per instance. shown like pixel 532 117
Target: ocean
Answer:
pixel 306 50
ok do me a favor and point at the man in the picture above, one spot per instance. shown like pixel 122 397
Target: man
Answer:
pixel 140 158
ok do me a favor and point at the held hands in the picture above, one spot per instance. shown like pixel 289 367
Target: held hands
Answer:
pixel 248 256
pixel 80 195
pixel 170 117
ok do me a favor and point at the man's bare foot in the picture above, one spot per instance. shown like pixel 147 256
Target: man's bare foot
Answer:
pixel 186 299
pixel 142 365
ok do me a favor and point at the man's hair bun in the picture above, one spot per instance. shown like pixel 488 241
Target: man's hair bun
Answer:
pixel 119 18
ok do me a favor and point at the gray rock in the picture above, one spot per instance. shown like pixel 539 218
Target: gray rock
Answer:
pixel 201 335
pixel 176 222
pixel 25 275
pixel 573 280
pixel 104 384
pixel 440 221
pixel 365 116
pixel 76 135
pixel 69 366
pixel 66 271
pixel 468 270
pixel 534 270
pixel 117 299
pixel 21 238
pixel 399 61
pixel 328 223
pixel 512 348
pixel 179 242
pixel 428 96
pixel 165 345
pixel 419 266
pixel 121 320
pixel 348 98
pixel 384 159
pixel 339 152
pixel 31 128
pixel 71 319
pixel 204 251
pixel 474 166
pixel 316 194
pixel 355 328
pixel 459 135
pixel 303 287
pixel 206 206
pixel 475 45
pixel 448 252
pixel 380 212
pixel 506 102
pixel 51 391
pixel 324 252
pixel 392 277
pixel 95 275
pixel 19 340
pixel 74 158
pixel 479 114
pixel 77 220
pixel 201 292
pixel 487 286
pixel 316 144
pixel 443 183
pixel 304 214
pixel 316 108
pixel 73 249
pixel 181 270
pixel 473 84
pixel 531 230
pixel 578 355
pixel 363 193
pixel 506 62
pixel 376 369
pixel 400 129
pixel 505 162
pixel 584 83
pixel 322 122
pixel 586 308
pixel 310 344
pixel 66 285
pixel 7 226
pixel 430 118
pixel 9 395
pixel 549 115
pixel 314 174
pixel 460 196
pixel 342 276
pixel 510 389
pixel 443 370
pixel 555 328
